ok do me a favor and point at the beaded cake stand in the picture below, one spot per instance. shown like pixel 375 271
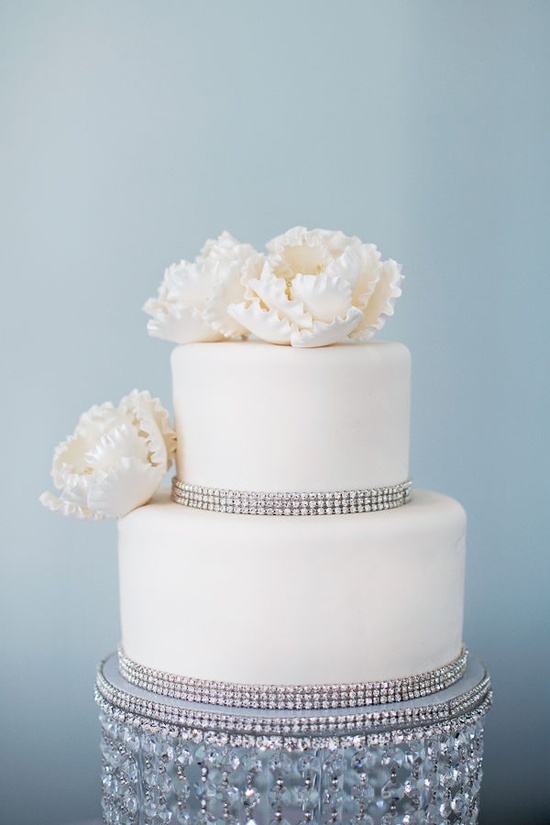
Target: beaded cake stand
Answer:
pixel 170 760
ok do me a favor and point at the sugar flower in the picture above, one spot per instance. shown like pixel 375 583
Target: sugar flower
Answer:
pixel 193 299
pixel 317 287
pixel 114 461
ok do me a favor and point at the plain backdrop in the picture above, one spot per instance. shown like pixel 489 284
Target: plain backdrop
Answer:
pixel 134 130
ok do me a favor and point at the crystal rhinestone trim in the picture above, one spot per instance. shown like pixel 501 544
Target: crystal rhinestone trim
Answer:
pixel 291 504
pixel 469 699
pixel 292 697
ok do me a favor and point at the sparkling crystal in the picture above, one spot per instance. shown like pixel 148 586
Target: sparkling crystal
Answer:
pixel 393 792
pixel 203 818
pixel 251 797
pixel 205 790
pixel 130 802
pixel 129 770
pixel 164 782
pixel 181 787
pixel 252 762
pixel 228 760
pixel 333 797
pixel 414 818
pixel 130 738
pixel 154 806
pixel 110 784
pixel 197 776
pixel 306 797
pixel 335 763
pixel 363 760
pixel 280 763
pixel 363 792
pixel 279 795
pixel 209 755
pixel 149 746
pixel 228 794
pixel 415 753
pixel 458 803
pixel 393 756
pixel 165 750
pixel 182 756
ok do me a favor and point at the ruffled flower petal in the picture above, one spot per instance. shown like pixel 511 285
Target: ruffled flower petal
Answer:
pixel 182 326
pixel 229 289
pixel 323 334
pixel 324 297
pixel 273 293
pixel 346 267
pixel 192 300
pixel 121 441
pixel 67 508
pixel 267 324
pixel 132 484
pixel 380 304
pixel 92 424
pixel 189 284
pixel 333 241
pixel 369 259
pixel 114 461
pixel 137 400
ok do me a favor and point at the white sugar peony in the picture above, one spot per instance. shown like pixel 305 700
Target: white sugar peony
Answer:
pixel 193 298
pixel 114 461
pixel 317 288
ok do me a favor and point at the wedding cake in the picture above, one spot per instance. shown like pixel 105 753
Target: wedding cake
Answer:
pixel 292 609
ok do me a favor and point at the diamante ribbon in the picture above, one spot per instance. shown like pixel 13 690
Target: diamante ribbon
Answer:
pixel 292 697
pixel 291 504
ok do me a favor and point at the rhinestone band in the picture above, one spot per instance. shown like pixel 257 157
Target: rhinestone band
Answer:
pixel 291 504
pixel 295 730
pixel 292 697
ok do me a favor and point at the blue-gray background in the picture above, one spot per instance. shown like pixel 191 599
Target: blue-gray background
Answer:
pixel 131 132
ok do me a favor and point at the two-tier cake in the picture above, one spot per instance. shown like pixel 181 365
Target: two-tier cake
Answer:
pixel 292 610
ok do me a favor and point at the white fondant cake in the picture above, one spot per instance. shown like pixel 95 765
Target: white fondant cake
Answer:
pixel 299 600
pixel 292 612
pixel 253 416
pixel 353 597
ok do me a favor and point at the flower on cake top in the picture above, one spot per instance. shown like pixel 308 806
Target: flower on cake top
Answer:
pixel 114 461
pixel 193 299
pixel 316 288
pixel 312 288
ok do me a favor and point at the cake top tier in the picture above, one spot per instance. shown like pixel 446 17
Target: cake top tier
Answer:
pixel 311 288
pixel 254 417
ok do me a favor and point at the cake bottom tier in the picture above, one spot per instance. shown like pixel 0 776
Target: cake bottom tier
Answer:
pixel 277 600
pixel 171 761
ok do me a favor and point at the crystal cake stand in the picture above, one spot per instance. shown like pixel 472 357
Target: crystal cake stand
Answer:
pixel 413 762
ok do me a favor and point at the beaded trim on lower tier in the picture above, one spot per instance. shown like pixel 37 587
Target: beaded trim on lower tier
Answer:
pixel 292 697
pixel 293 730
pixel 291 504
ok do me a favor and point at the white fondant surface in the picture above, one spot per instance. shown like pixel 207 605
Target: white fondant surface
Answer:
pixel 254 416
pixel 293 600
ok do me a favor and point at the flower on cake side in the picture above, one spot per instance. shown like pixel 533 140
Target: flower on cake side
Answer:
pixel 193 299
pixel 318 287
pixel 115 460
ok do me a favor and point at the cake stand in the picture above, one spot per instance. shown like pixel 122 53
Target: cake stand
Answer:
pixel 169 760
